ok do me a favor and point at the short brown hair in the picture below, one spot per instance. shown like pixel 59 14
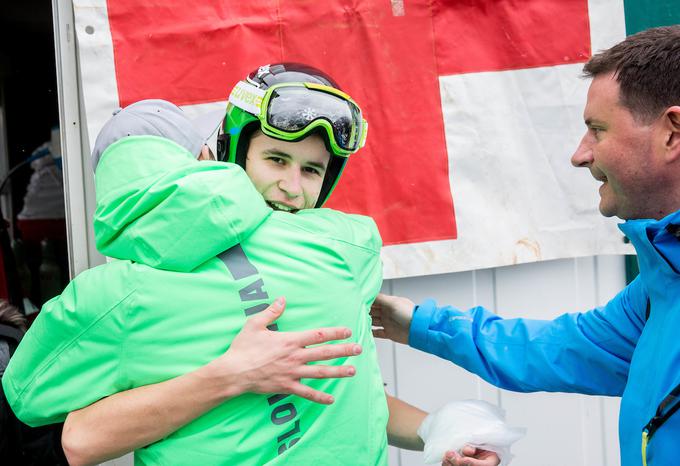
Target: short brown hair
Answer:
pixel 647 68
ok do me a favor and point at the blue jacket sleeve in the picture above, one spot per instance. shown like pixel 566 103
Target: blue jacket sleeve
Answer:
pixel 582 353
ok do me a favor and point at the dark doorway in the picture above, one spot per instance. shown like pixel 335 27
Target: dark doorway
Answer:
pixel 34 254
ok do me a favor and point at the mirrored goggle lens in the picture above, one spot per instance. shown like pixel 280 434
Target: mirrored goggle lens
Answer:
pixel 292 109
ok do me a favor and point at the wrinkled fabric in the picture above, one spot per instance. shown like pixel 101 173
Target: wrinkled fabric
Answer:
pixel 612 350
pixel 126 324
pixel 157 206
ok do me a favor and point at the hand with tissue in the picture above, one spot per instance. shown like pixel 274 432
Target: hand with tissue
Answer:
pixel 471 456
pixel 464 425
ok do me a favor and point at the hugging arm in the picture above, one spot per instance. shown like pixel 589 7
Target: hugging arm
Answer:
pixel 132 419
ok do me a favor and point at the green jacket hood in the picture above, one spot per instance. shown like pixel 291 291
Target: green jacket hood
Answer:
pixel 158 205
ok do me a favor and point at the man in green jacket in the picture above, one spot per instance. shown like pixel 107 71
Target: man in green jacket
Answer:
pixel 124 324
pixel 138 216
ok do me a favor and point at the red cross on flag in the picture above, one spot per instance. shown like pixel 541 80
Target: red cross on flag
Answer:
pixel 473 107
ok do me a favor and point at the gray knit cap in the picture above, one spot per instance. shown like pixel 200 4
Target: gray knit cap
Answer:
pixel 152 117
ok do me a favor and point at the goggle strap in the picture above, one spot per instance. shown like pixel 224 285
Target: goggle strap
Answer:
pixel 362 143
pixel 247 97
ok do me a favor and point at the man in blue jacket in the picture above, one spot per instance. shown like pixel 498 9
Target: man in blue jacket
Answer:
pixel 629 347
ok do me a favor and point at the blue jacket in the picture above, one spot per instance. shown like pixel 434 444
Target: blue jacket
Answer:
pixel 629 347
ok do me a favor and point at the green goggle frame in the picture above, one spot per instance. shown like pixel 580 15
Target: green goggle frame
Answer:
pixel 290 111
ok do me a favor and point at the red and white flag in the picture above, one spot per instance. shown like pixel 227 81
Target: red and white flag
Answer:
pixel 474 107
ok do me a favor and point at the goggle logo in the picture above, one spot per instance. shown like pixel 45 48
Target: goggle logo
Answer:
pixel 247 97
pixel 309 114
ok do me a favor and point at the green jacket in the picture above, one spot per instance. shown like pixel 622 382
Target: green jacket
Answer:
pixel 218 254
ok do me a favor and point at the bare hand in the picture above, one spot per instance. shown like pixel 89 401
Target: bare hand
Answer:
pixel 471 457
pixel 392 315
pixel 263 361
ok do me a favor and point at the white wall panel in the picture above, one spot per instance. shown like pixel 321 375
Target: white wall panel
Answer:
pixel 563 429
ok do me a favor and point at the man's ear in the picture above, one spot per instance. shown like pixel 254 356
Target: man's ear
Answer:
pixel 671 130
pixel 206 153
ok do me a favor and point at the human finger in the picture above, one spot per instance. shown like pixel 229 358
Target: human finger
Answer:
pixel 453 458
pixel 468 450
pixel 331 351
pixel 319 371
pixel 450 459
pixel 310 394
pixel 479 456
pixel 379 333
pixel 321 335
pixel 269 315
pixel 467 461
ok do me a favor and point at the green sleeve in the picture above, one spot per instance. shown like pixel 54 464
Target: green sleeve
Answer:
pixel 363 256
pixel 70 357
pixel 358 238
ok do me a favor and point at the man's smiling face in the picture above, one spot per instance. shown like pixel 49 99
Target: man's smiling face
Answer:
pixel 618 151
pixel 289 175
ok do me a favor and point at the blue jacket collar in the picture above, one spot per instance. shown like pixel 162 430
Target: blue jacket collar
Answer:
pixel 655 242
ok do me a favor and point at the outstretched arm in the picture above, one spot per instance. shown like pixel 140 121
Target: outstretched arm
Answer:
pixel 402 432
pixel 402 426
pixel 525 354
pixel 258 361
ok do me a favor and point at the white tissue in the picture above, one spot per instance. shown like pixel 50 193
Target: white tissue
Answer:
pixel 468 422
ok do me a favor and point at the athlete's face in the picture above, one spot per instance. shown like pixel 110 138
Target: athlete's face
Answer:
pixel 289 175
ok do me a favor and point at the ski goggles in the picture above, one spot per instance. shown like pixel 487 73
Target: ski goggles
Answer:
pixel 289 111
